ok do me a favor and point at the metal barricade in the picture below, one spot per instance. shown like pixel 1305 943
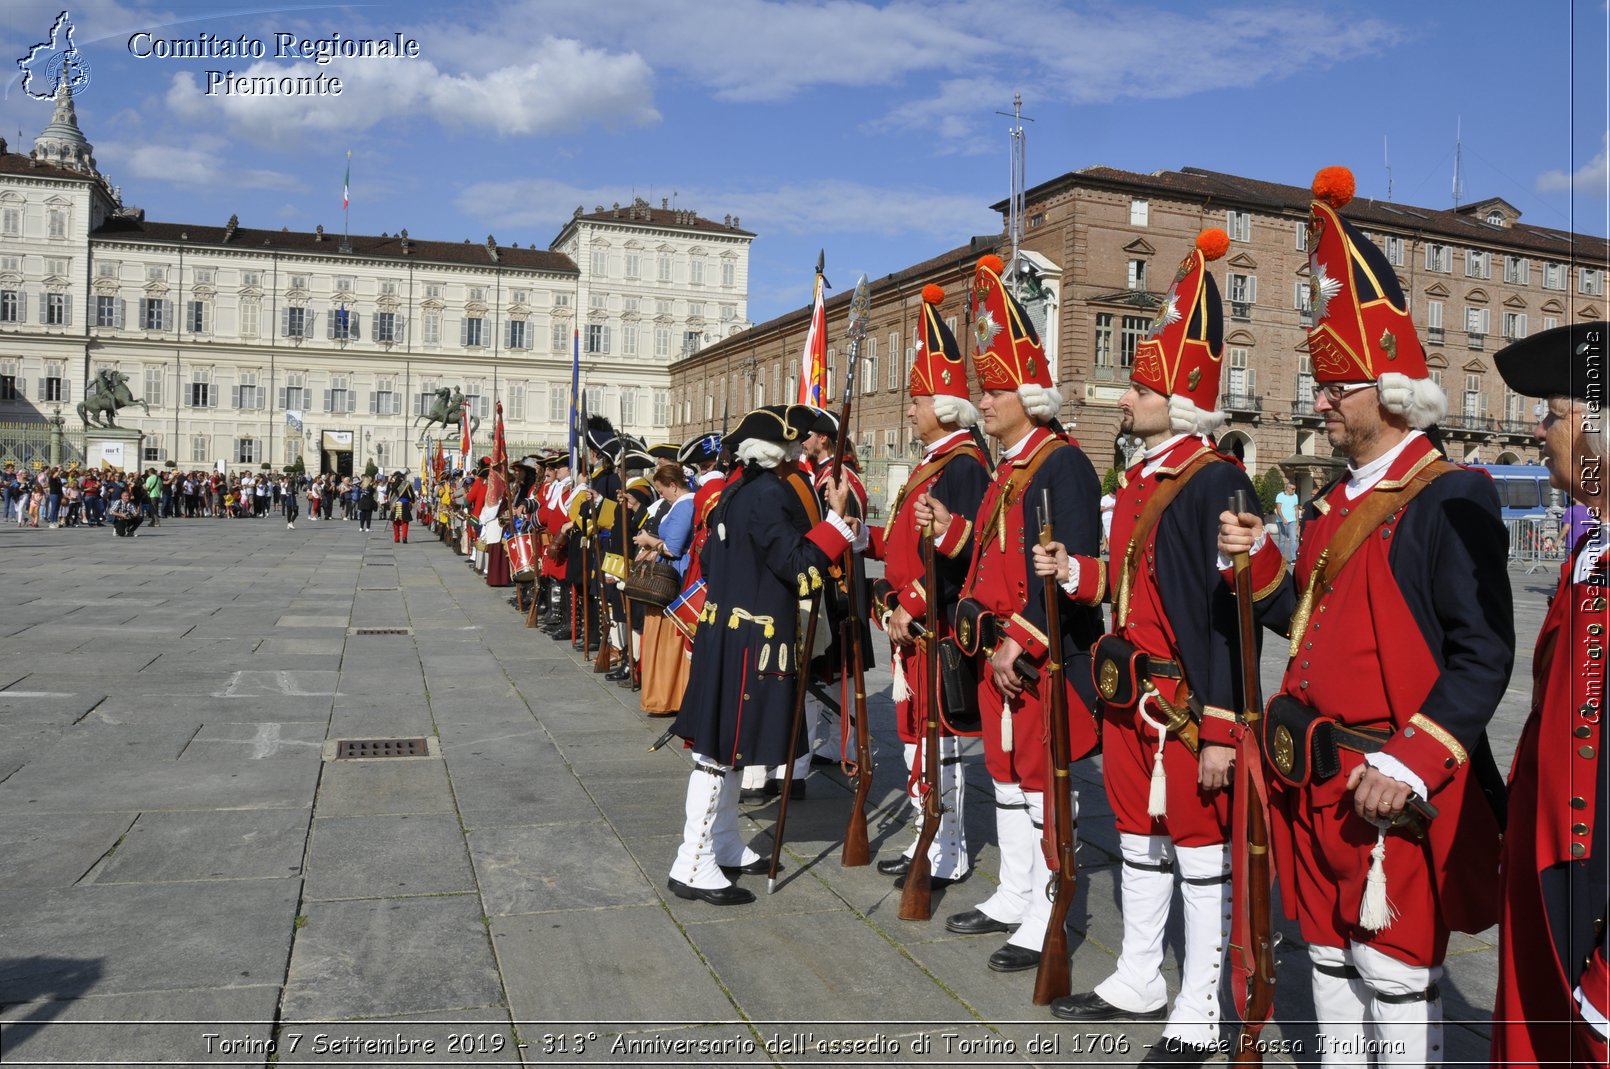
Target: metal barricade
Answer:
pixel 1534 543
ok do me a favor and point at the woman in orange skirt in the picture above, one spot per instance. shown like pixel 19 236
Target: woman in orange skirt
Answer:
pixel 665 661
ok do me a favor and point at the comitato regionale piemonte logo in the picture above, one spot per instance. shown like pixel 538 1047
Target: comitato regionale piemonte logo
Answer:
pixel 43 65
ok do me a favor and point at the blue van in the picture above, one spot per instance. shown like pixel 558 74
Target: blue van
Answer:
pixel 1524 490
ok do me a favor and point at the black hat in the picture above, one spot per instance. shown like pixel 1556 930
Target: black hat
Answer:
pixel 1567 361
pixel 601 434
pixel 825 423
pixel 773 423
pixel 803 418
pixel 664 451
pixel 561 459
pixel 705 447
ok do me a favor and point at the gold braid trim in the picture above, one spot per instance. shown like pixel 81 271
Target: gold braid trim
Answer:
pixel 1274 584
pixel 769 623
pixel 1440 733
pixel 1305 607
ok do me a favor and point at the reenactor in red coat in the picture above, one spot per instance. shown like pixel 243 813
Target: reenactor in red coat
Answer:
pixel 1002 615
pixel 1170 720
pixel 1383 790
pixel 953 473
pixel 1553 978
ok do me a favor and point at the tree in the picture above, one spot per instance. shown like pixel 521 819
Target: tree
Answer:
pixel 371 469
pixel 1109 481
pixel 1268 485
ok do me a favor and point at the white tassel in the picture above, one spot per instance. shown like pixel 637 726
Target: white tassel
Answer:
pixel 1006 727
pixel 1376 912
pixel 1157 798
pixel 902 689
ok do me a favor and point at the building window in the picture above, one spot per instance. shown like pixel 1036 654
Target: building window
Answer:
pixel 294 322
pixel 295 395
pixel 664 268
pixel 153 386
pixel 1591 281
pixel 198 449
pixel 1140 211
pixel 203 394
pixel 1137 274
pixel 1495 218
pixel 729 273
pixel 662 342
pixel 598 301
pixel 1478 264
pixel 1550 322
pixel 1439 258
pixel 895 366
pixel 1517 270
pixel 293 451
pixel 1241 382
pixel 53 386
pixel 343 284
pixel 1475 402
pixel 729 312
pixel 1514 325
pixel 1133 329
pixel 480 404
pixel 560 340
pixel 696 271
pixel 11 264
pixel 1477 321
pixel 561 300
pixel 628 340
pixel 1104 349
pixel 299 282
pixel 249 313
pixel 205 276
pixel 628 407
pixel 11 222
pixel 340 397
pixel 248 395
pixel 661 407
pixel 478 293
pixel 388 288
pixel 1302 235
pixel 517 401
pixel 869 367
pixel 152 449
pixel 57 221
pixel 342 325
pixel 691 340
pixel 251 279
pixel 1239 225
pixel 385 401
pixel 56 267
pixel 13 306
pixel 153 313
pixel 1434 322
pixel 156 273
pixel 595 338
pixel 433 291
pixel 246 450
pixel 1243 294
pixel 386 327
pixel 558 403
pixel 664 308
pixel 1394 250
pixel 8 387
pixel 196 317
pixel 58 310
pixel 433 328
pixel 1554 276
pixel 517 334
pixel 600 263
pixel 634 265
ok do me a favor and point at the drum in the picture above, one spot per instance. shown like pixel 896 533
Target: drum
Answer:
pixel 653 583
pixel 522 551
pixel 685 610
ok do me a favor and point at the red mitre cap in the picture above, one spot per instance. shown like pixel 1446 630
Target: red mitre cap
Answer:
pixel 938 367
pixel 1362 328
pixel 1006 348
pixel 1183 353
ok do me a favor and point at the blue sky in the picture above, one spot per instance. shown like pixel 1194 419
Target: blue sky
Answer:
pixel 867 129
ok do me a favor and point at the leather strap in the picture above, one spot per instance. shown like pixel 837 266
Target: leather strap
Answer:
pixel 932 469
pixel 1167 490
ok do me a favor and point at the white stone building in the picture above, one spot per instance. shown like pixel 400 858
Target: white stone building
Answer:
pixel 266 346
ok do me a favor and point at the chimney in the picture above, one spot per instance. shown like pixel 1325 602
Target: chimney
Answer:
pixel 665 203
pixel 318 232
pixel 406 246
pixel 492 247
pixel 230 227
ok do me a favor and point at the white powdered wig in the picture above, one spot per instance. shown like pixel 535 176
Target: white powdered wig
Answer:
pixel 1185 418
pixel 761 453
pixel 954 411
pixel 1420 401
pixel 1042 403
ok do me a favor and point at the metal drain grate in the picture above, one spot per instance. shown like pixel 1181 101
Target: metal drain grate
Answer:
pixel 351 749
pixel 382 631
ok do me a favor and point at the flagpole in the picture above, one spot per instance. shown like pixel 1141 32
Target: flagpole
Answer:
pixel 346 199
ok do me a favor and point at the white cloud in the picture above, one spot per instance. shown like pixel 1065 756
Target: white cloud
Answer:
pixel 1593 175
pixel 804 208
pixel 561 85
pixel 955 116
pixel 205 162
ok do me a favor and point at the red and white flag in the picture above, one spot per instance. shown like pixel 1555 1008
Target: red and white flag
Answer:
pixel 813 365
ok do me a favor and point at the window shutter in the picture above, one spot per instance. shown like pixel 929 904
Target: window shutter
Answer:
pixel 327 400
pixel 400 330
pixel 396 404
pixel 352 400
pixel 508 335
pixel 329 325
pixel 212 395
pixel 167 313
pixel 374 403
pixel 22 310
pixel 44 309
pixel 67 310
pixel 234 397
pixel 285 322
pixel 281 395
pixel 1252 289
pixel 117 314
pixel 352 325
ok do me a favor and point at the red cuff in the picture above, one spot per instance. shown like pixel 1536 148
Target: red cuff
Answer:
pixel 955 537
pixel 1026 635
pixel 825 537
pixel 914 600
pixel 1428 750
pixel 1220 726
pixel 1092 580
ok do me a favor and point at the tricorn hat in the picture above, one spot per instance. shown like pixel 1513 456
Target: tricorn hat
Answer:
pixel 770 423
pixel 698 450
pixel 1566 361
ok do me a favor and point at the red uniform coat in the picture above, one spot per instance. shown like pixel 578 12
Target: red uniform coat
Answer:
pixel 1180 611
pixel 999 580
pixel 955 476
pixel 553 511
pixel 1557 843
pixel 1415 636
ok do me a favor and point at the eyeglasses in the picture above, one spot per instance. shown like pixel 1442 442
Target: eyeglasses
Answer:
pixel 1335 391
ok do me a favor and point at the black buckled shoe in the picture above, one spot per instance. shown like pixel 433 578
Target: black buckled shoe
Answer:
pixel 716 896
pixel 1014 959
pixel 758 867
pixel 974 922
pixel 895 866
pixel 615 675
pixel 1092 1007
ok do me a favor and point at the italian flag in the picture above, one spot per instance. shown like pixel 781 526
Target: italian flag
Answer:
pixel 346 183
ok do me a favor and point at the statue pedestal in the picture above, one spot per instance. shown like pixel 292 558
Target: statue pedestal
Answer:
pixel 116 447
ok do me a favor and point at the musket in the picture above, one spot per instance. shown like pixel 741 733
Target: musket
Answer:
pixel 917 897
pixel 626 602
pixel 1053 980
pixel 1252 943
pixel 606 614
pixel 860 310
pixel 584 588
pixel 857 851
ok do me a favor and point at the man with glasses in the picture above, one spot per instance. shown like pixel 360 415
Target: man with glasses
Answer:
pixel 1553 976
pixel 1402 635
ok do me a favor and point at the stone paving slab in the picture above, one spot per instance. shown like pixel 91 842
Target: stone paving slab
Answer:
pixel 229 845
pixel 384 788
pixel 387 857
pixel 208 1027
pixel 56 850
pixel 555 867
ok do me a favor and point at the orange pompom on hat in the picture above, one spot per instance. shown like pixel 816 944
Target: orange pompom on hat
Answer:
pixel 1006 347
pixel 1183 354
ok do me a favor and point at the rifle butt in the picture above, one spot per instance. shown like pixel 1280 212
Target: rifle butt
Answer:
pixel 857 852
pixel 1247 1051
pixel 1053 979
pixel 917 897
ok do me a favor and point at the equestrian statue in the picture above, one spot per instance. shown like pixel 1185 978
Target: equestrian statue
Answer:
pixel 447 410
pixel 104 394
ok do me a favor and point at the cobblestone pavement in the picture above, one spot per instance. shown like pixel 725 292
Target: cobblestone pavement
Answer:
pixel 186 876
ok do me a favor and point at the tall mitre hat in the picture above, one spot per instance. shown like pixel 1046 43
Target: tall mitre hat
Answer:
pixel 938 368
pixel 1006 348
pixel 1362 328
pixel 1182 356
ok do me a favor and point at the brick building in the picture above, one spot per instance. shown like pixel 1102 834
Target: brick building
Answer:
pixel 1098 251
